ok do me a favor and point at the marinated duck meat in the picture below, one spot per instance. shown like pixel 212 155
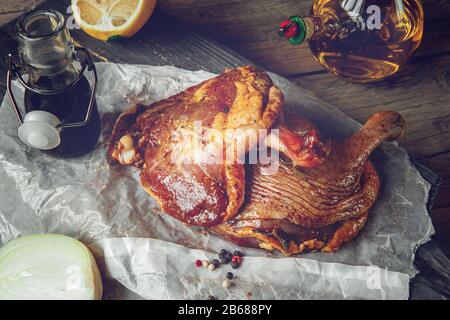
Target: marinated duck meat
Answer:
pixel 164 139
pixel 320 208
pixel 299 140
pixel 318 199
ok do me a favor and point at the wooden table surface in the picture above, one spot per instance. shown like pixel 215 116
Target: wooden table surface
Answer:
pixel 10 9
pixel 420 92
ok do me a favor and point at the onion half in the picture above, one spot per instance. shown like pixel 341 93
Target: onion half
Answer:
pixel 48 267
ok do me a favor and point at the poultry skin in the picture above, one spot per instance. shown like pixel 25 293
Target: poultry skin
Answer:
pixel 208 187
pixel 318 198
pixel 303 209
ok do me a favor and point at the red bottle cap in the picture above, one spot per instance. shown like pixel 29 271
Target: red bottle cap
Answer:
pixel 293 29
pixel 288 29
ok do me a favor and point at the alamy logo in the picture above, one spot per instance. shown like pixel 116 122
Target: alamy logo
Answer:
pixel 74 278
pixel 207 146
pixel 373 20
pixel 71 23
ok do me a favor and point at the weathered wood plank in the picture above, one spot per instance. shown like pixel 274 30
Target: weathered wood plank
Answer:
pixel 11 9
pixel 439 163
pixel 441 222
pixel 443 196
pixel 437 269
pixel 420 93
pixel 146 46
pixel 248 27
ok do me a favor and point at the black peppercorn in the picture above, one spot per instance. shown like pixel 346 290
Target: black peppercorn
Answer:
pixel 216 263
pixel 222 253
pixel 229 275
pixel 229 256
pixel 235 264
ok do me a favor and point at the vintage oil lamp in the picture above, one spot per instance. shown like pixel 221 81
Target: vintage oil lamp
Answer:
pixel 360 40
pixel 61 112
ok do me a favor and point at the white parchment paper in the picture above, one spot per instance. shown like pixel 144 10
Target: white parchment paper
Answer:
pixel 145 254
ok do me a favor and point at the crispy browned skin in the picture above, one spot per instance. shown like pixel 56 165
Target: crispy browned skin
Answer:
pixel 300 209
pixel 196 193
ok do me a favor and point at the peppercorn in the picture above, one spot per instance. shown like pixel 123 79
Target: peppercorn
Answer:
pixel 226 283
pixel 198 263
pixel 237 259
pixel 235 264
pixel 205 263
pixel 237 253
pixel 216 263
pixel 222 253
pixel 229 275
pixel 224 260
pixel 211 267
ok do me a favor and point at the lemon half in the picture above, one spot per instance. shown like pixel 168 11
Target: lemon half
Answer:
pixel 106 19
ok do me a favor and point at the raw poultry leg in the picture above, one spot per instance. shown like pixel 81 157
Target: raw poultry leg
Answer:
pixel 345 185
pixel 300 209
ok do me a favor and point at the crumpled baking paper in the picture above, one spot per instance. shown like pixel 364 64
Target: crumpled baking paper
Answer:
pixel 145 254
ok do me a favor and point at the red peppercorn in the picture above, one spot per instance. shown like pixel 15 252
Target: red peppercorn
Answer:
pixel 236 259
pixel 237 253
pixel 198 263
